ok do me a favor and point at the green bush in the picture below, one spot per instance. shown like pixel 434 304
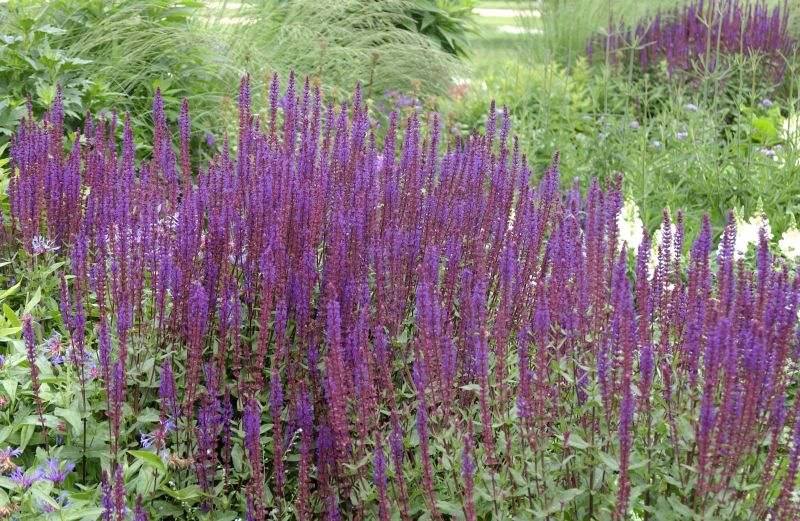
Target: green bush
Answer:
pixel 109 54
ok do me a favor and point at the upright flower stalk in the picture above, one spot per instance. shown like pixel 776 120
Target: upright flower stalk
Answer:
pixel 331 307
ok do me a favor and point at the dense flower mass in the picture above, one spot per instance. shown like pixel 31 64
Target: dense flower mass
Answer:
pixel 701 33
pixel 311 325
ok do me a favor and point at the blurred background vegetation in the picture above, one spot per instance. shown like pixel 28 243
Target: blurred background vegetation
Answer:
pixel 708 143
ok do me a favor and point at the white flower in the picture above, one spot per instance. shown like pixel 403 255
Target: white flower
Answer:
pixel 791 126
pixel 41 245
pixel 789 245
pixel 630 225
pixel 791 133
pixel 747 233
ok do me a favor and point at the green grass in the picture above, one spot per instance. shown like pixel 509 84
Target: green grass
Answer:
pixel 505 4
pixel 491 46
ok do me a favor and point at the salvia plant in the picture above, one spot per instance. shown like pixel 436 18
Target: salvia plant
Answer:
pixel 701 35
pixel 310 327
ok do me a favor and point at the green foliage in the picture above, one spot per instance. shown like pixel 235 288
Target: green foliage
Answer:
pixel 340 42
pixel 568 24
pixel 446 22
pixel 109 54
pixel 708 146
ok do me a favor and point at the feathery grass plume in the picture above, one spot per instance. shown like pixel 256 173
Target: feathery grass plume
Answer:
pixel 335 42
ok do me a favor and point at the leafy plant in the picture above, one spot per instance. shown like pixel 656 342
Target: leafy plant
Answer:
pixel 318 327
pixel 446 22
pixel 339 43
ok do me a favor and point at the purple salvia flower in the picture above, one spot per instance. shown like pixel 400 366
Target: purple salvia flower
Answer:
pixel 379 478
pixel 139 513
pixel 468 475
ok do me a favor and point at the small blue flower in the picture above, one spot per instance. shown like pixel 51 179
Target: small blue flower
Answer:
pixel 766 103
pixel 690 107
pixel 682 134
pixel 634 124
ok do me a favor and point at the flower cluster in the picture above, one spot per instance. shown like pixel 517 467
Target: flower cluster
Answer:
pixel 701 34
pixel 314 298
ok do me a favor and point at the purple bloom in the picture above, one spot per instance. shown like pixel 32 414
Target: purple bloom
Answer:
pixel 691 107
pixel 41 245
pixel 300 286
pixel 22 480
pixel 139 513
pixel 766 103
pixel 55 472
pixel 680 37
pixel 158 436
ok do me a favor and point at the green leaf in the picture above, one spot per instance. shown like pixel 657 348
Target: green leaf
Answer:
pixel 575 441
pixel 8 331
pixel 680 508
pixel 188 494
pixel 565 496
pixel 11 315
pixel 72 417
pixel 37 296
pixel 10 291
pixel 10 386
pixel 25 435
pixel 609 461
pixel 150 459
pixel 449 507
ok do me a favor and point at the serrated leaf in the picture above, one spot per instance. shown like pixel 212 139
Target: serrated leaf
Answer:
pixel 680 508
pixel 448 507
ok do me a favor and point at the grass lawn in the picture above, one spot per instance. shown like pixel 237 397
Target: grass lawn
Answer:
pixel 500 37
